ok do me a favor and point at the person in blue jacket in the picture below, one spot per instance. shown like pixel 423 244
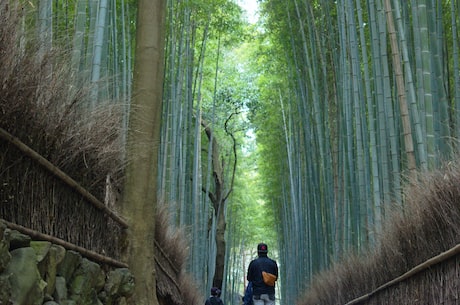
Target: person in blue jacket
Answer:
pixel 263 290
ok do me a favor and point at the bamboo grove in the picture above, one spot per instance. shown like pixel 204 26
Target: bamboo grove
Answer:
pixel 346 99
pixel 364 93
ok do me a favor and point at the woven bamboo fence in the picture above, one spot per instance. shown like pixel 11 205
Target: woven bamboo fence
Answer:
pixel 436 281
pixel 39 200
pixel 35 194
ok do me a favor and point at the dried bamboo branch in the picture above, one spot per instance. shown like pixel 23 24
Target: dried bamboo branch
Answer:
pixel 158 263
pixel 158 247
pixel 61 175
pixel 69 246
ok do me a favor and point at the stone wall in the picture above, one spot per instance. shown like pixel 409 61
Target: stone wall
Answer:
pixel 39 272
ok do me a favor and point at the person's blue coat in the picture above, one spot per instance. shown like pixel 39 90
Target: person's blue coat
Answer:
pixel 247 299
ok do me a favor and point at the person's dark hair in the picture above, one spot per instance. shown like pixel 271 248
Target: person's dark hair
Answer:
pixel 214 291
pixel 262 248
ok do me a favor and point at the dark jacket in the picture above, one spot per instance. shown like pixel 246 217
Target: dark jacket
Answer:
pixel 262 263
pixel 214 300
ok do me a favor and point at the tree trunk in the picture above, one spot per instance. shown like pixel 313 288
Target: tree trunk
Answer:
pixel 218 201
pixel 142 149
pixel 220 247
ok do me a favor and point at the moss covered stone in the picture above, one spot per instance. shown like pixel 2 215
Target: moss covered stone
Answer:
pixel 26 284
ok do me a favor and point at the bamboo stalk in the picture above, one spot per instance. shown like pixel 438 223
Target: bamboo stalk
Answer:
pixel 400 86
pixel 69 246
pixel 61 175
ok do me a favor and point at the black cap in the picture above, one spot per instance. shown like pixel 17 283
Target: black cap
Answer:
pixel 214 291
pixel 262 248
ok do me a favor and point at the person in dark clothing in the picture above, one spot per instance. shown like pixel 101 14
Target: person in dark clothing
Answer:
pixel 263 291
pixel 214 298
